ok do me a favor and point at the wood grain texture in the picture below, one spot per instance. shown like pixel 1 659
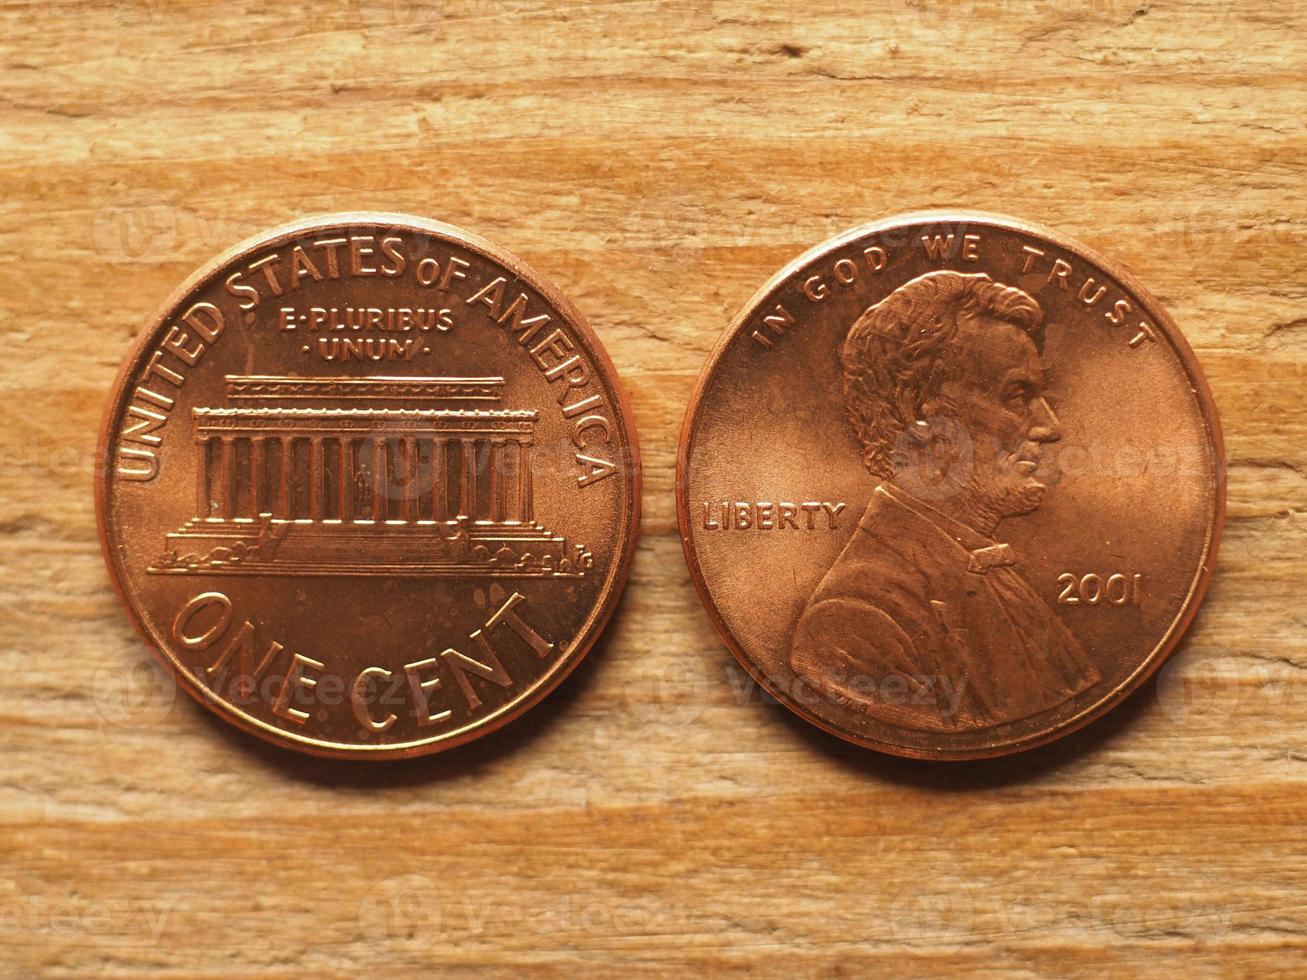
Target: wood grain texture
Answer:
pixel 658 162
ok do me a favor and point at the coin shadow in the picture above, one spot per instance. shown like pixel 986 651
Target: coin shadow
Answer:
pixel 976 774
pixel 451 764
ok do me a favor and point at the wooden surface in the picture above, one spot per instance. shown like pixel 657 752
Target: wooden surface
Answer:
pixel 658 162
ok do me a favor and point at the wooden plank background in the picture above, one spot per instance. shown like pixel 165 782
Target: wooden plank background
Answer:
pixel 658 162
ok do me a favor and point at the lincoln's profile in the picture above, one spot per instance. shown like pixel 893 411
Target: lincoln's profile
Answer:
pixel 944 387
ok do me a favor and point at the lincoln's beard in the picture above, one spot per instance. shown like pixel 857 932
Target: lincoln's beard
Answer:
pixel 981 490
pixel 1013 501
pixel 1004 492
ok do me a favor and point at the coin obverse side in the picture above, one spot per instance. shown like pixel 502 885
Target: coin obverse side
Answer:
pixel 369 485
pixel 951 485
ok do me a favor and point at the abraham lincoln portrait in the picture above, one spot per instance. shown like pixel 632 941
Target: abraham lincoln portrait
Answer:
pixel 944 387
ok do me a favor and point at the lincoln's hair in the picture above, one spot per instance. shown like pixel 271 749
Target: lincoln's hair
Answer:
pixel 896 359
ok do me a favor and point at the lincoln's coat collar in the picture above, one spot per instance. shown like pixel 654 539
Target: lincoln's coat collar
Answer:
pixel 982 553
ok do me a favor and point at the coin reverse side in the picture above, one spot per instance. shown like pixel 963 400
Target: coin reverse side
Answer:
pixel 370 486
pixel 951 485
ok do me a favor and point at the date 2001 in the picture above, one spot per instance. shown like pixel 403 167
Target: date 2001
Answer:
pixel 1094 589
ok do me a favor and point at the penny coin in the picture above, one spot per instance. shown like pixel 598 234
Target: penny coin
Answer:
pixel 951 485
pixel 369 485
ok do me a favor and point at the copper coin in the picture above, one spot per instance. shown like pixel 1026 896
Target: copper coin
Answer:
pixel 951 485
pixel 369 485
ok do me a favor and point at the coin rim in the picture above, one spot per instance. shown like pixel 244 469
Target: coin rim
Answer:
pixel 1203 396
pixel 591 628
